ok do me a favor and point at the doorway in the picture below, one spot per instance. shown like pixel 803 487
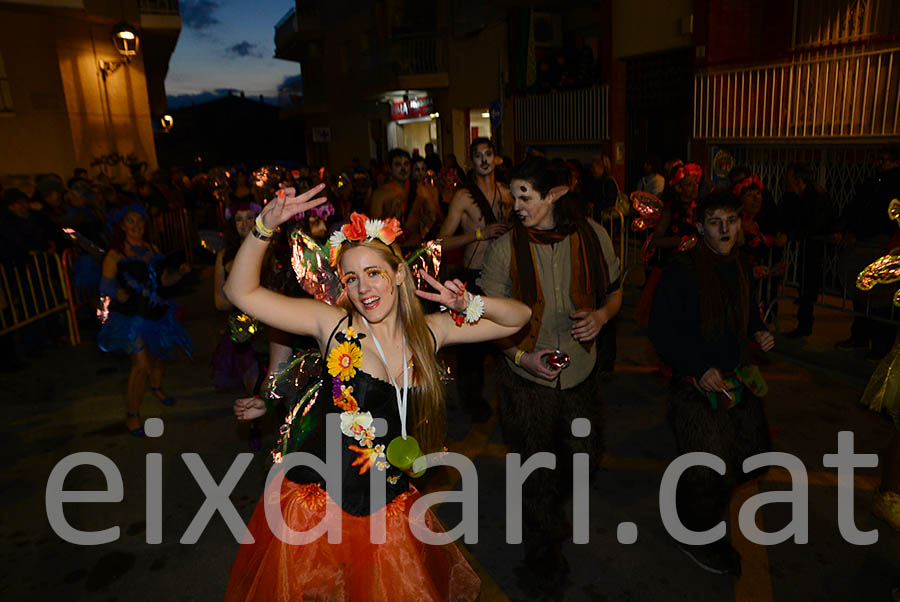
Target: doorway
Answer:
pixel 659 95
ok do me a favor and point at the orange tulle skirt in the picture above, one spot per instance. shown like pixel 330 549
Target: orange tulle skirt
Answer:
pixel 402 569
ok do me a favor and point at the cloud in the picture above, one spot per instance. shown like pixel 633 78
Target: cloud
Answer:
pixel 292 82
pixel 199 14
pixel 242 49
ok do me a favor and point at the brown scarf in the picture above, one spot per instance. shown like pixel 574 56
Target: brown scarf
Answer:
pixel 590 276
pixel 717 308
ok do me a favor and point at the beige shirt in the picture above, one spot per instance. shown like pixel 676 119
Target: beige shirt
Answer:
pixel 554 270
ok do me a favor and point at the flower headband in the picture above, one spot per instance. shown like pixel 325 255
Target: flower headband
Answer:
pixel 362 228
pixel 233 209
pixel 749 182
pixel 691 169
pixel 315 264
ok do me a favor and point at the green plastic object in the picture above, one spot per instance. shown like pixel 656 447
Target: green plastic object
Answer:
pixel 401 453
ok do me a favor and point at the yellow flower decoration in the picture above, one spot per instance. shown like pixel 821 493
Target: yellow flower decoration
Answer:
pixel 349 333
pixel 344 360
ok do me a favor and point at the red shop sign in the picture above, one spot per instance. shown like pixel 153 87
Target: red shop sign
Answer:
pixel 421 106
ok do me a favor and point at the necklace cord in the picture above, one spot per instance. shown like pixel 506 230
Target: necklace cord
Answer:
pixel 401 399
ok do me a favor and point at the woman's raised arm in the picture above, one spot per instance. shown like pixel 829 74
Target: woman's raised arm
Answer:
pixel 502 317
pixel 300 316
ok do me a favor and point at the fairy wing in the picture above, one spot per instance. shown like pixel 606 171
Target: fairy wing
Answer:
pixel 296 387
pixel 313 268
pixel 883 270
pixel 649 208
pixel 894 210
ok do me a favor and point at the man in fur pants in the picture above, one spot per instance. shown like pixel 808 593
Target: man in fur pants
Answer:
pixel 700 324
pixel 563 266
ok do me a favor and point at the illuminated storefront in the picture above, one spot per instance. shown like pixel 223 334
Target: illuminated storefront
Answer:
pixel 414 122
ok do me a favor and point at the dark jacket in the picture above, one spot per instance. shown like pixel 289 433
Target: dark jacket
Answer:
pixel 675 327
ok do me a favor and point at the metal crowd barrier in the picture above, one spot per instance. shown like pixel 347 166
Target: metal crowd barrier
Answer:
pixel 837 291
pixel 33 289
pixel 614 221
pixel 74 295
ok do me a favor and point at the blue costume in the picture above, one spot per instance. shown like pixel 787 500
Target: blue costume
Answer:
pixel 145 320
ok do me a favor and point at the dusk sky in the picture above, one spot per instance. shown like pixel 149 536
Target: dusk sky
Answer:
pixel 227 45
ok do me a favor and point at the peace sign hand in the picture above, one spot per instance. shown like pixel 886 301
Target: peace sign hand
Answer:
pixel 451 294
pixel 283 207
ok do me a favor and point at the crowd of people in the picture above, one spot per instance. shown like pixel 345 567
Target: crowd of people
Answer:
pixel 528 274
pixel 501 237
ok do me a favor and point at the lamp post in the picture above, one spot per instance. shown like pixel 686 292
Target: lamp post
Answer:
pixel 126 41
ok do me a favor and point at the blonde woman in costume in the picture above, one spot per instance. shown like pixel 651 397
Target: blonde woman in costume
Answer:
pixel 374 340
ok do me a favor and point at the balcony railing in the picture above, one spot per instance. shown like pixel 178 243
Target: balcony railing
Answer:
pixel 286 29
pixel 418 55
pixel 830 22
pixel 842 95
pixel 160 7
pixel 572 116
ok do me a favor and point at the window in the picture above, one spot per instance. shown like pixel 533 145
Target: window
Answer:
pixel 6 103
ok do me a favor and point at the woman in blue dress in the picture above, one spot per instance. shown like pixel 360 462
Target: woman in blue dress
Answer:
pixel 139 321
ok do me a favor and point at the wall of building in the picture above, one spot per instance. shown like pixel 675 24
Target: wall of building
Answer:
pixel 65 114
pixel 645 26
pixel 106 115
pixel 349 138
pixel 479 69
pixel 36 136
pixel 741 32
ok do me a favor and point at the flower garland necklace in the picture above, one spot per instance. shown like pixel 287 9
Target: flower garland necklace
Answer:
pixel 342 363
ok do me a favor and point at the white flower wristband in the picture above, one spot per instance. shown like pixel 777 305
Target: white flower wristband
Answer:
pixel 471 314
pixel 475 309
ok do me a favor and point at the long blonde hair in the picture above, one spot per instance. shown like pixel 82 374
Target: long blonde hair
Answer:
pixel 428 410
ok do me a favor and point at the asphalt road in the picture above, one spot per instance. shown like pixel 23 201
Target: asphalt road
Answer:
pixel 71 400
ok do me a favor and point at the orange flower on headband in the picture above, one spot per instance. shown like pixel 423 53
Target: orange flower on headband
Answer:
pixel 751 182
pixel 356 229
pixel 390 231
pixel 691 169
pixel 362 228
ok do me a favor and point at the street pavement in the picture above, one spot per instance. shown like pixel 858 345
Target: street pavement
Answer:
pixel 71 400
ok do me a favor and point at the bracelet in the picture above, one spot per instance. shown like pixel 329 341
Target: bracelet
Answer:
pixel 519 355
pixel 478 234
pixel 472 313
pixel 262 227
pixel 475 309
pixel 255 231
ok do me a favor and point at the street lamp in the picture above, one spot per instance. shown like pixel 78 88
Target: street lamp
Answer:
pixel 167 123
pixel 126 41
